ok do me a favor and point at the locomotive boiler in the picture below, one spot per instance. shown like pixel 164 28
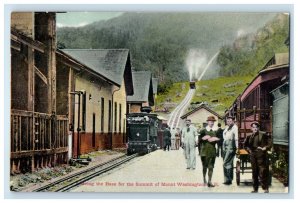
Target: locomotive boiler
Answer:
pixel 141 131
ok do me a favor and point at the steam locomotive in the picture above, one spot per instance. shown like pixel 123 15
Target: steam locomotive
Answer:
pixel 142 131
pixel 192 85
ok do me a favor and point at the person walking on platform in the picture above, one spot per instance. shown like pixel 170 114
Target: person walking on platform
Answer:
pixel 190 140
pixel 258 143
pixel 173 138
pixel 220 142
pixel 177 139
pixel 208 150
pixel 167 138
pixel 230 146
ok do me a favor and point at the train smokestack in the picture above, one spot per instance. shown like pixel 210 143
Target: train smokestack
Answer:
pixel 146 109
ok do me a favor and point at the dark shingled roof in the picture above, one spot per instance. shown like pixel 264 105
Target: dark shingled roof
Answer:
pixel 112 64
pixel 155 84
pixel 202 106
pixel 143 90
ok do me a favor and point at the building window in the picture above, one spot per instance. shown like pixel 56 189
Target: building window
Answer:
pixel 115 117
pixel 83 111
pixel 120 117
pixel 102 114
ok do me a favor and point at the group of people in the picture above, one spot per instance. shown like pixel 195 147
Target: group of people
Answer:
pixel 172 139
pixel 213 143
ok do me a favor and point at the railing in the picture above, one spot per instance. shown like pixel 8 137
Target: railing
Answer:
pixel 247 116
pixel 33 131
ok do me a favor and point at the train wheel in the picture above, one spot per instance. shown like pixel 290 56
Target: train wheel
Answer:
pixel 238 172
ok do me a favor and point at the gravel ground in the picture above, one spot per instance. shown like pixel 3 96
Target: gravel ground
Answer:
pixel 30 181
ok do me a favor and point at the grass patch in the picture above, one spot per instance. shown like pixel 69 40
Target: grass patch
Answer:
pixel 218 93
pixel 175 94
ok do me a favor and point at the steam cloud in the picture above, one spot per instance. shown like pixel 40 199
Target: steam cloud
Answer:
pixel 195 63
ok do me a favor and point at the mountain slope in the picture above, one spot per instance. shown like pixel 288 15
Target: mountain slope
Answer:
pixel 160 41
pixel 218 93
pixel 249 53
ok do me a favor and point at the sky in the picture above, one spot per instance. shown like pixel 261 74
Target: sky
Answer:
pixel 78 19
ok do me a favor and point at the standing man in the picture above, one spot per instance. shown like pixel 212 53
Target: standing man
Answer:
pixel 208 149
pixel 177 138
pixel 190 140
pixel 173 138
pixel 220 142
pixel 230 146
pixel 167 138
pixel 258 144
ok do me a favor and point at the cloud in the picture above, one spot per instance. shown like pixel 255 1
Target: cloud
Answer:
pixel 241 32
pixel 81 24
pixel 60 25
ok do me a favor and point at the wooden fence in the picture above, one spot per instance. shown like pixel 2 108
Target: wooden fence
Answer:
pixel 36 136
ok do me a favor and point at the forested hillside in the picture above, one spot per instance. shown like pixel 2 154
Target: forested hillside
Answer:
pixel 249 53
pixel 160 41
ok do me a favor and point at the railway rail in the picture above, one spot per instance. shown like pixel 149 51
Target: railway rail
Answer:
pixel 177 112
pixel 71 181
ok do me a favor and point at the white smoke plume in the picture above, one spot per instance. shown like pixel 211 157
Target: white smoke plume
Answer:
pixel 207 65
pixel 195 63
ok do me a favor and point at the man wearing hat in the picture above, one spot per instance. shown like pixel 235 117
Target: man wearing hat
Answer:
pixel 230 145
pixel 208 149
pixel 257 145
pixel 167 138
pixel 190 140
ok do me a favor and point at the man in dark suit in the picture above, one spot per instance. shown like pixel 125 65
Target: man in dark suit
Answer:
pixel 257 145
pixel 167 138
pixel 220 142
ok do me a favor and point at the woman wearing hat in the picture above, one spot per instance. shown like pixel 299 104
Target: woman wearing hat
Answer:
pixel 208 154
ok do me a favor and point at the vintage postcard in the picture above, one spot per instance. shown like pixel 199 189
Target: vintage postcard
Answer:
pixel 159 102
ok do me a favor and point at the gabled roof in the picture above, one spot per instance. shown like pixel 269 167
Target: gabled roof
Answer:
pixel 112 64
pixel 143 90
pixel 202 106
pixel 155 84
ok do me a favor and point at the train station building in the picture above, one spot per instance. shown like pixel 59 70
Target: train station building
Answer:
pixel 63 102
pixel 102 85
pixel 143 91
pixel 199 115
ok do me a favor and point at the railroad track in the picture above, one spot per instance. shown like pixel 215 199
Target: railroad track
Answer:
pixel 71 181
pixel 178 111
